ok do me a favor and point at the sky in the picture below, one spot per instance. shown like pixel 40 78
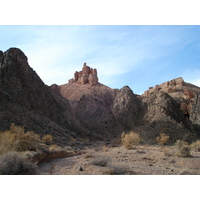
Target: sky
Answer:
pixel 139 56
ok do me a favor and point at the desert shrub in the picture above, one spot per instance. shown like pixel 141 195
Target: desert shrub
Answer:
pixel 101 161
pixel 115 169
pixel 13 163
pixel 16 139
pixel 28 141
pixel 47 139
pixel 184 151
pixel 167 151
pixel 183 148
pixel 196 145
pixel 162 139
pixel 130 140
pixel 55 147
pixel 72 141
pixel 180 143
pixel 105 148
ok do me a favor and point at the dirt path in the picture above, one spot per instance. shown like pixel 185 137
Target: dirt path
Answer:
pixel 99 159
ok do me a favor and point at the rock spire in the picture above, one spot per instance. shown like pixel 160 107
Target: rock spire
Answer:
pixel 86 75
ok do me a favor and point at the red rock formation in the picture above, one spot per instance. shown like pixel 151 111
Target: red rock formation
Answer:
pixel 76 76
pixel 87 75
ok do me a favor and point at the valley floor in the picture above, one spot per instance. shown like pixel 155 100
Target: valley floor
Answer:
pixel 104 158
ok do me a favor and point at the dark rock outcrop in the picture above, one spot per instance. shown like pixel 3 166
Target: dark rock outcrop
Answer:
pixel 127 108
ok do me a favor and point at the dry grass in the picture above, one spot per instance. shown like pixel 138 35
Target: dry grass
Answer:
pixel 162 139
pixel 130 140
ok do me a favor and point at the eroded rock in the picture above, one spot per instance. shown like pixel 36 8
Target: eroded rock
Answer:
pixel 87 75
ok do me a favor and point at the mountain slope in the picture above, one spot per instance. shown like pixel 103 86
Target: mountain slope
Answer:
pixel 26 100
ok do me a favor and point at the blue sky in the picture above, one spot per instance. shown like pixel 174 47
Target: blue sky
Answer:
pixel 137 56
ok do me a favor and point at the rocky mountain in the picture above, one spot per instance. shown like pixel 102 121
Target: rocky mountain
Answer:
pixel 85 108
pixel 107 112
pixel 26 100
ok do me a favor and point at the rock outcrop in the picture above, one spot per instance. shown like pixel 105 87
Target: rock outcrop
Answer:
pixel 87 75
pixel 168 87
pixel 163 115
pixel 127 108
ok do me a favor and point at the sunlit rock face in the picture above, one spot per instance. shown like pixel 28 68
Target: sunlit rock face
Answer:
pixel 86 75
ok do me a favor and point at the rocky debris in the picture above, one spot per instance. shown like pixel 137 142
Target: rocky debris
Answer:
pixel 87 75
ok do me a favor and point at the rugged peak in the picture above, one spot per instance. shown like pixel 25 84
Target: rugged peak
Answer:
pixel 86 75
pixel 14 61
pixel 12 54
